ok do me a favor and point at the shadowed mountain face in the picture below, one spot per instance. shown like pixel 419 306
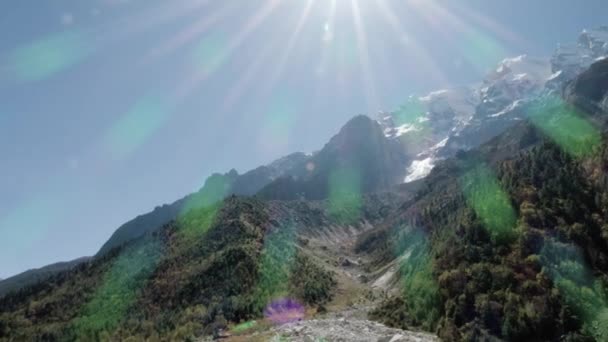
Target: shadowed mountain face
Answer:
pixel 358 160
pixel 590 90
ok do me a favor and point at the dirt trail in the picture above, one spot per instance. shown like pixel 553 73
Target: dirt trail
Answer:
pixel 357 292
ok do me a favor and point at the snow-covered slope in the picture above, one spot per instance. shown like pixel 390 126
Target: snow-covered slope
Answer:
pixel 569 60
pixel 437 125
pixel 434 126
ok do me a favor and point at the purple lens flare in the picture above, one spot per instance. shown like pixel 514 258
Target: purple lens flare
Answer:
pixel 284 310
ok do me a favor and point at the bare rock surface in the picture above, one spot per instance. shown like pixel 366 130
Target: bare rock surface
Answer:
pixel 342 329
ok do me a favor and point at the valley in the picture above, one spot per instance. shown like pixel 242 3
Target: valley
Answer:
pixel 360 288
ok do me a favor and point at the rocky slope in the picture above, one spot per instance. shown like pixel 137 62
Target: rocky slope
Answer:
pixel 464 118
pixel 341 329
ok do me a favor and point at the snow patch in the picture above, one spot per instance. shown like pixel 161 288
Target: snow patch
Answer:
pixel 555 75
pixel 419 169
pixel 507 110
pixel 401 130
pixel 441 144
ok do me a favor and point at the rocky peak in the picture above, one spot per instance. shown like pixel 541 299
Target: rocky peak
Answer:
pixel 569 60
pixel 590 89
pixel 356 131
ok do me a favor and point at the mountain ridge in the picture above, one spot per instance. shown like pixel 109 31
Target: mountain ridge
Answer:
pixel 494 243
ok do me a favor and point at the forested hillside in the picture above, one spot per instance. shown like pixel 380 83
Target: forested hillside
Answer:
pixel 511 241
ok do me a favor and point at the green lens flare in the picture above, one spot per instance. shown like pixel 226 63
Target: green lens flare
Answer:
pixel 275 267
pixel 46 57
pixel 216 188
pixel 490 202
pixel 119 290
pixel 345 200
pixel 132 130
pixel 281 116
pixel 211 53
pixel 580 290
pixel 411 123
pixel 565 126
pixel 481 51
pixel 410 113
pixel 420 288
pixel 28 224
pixel 279 121
pixel 199 210
pixel 195 223
pixel 244 327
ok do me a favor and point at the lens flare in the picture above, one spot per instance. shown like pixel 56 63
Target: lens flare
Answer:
pixel 190 33
pixel 119 289
pixel 48 56
pixel 419 54
pixel 586 295
pixel 290 45
pixel 28 224
pixel 278 257
pixel 279 121
pixel 227 50
pixel 419 285
pixel 479 49
pixel 284 311
pixel 211 53
pixel 134 128
pixel 565 126
pixel 345 198
pixel 364 59
pixel 490 202
pixel 244 327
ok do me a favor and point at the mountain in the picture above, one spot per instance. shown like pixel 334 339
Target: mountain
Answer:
pixel 570 60
pixel 464 118
pixel 359 150
pixel 509 241
pixel 216 187
pixel 588 91
pixel 218 264
pixel 500 231
pixel 358 160
pixel 34 276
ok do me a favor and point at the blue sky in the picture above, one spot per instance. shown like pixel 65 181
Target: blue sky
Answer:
pixel 111 107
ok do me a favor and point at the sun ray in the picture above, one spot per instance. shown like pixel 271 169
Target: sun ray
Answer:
pixel 327 36
pixel 236 91
pixel 186 88
pixel 132 24
pixel 243 83
pixel 364 59
pixel 490 25
pixel 290 44
pixel 421 56
pixel 481 50
pixel 190 33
